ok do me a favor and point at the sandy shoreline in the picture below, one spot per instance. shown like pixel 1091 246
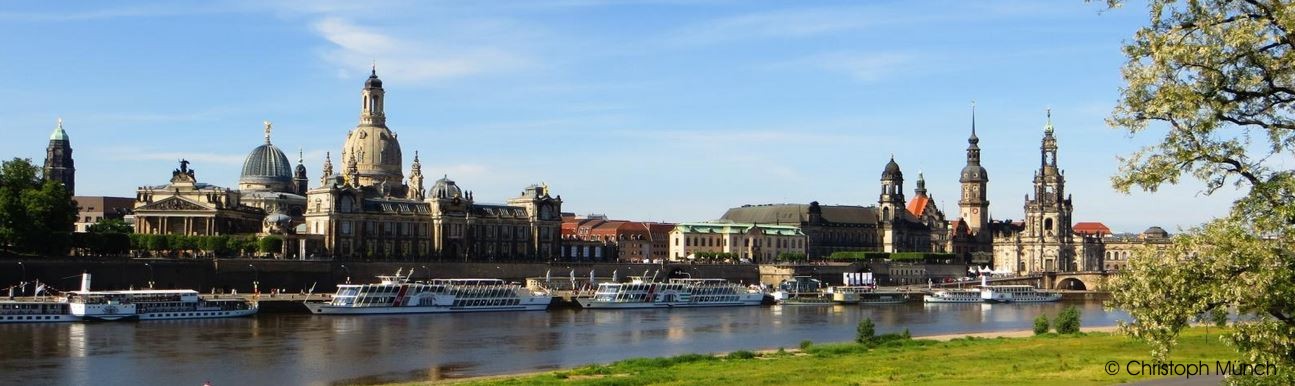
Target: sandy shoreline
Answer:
pixel 940 337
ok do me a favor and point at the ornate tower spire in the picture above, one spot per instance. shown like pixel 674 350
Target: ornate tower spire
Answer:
pixel 327 170
pixel 352 171
pixel 415 191
pixel 299 179
pixel 371 112
pixel 58 159
pixel 973 205
pixel 921 185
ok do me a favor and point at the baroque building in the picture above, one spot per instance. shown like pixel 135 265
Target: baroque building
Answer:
pixel 1045 240
pixel 759 243
pixel 58 159
pixel 827 228
pixel 268 183
pixel 188 207
pixel 920 227
pixel 368 210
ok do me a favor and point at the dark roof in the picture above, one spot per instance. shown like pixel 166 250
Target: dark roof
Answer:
pixel 892 170
pixel 799 214
pixel 266 163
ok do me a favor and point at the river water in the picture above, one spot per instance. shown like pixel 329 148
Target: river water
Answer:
pixel 294 349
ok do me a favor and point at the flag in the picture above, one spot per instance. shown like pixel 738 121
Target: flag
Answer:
pixel 614 276
pixel 591 278
pixel 548 275
pixel 312 287
pixel 39 287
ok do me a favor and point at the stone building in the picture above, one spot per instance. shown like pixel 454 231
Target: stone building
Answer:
pixel 1119 247
pixel 1045 240
pixel 921 229
pixel 93 209
pixel 369 210
pixel 188 207
pixel 828 228
pixel 631 241
pixel 58 159
pixel 757 242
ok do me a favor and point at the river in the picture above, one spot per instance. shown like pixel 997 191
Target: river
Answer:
pixel 281 349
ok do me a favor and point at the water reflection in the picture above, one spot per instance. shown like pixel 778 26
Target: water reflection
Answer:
pixel 306 349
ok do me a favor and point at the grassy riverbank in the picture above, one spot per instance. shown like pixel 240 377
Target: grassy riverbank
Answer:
pixel 1044 360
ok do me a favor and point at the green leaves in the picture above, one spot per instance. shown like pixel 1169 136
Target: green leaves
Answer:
pixel 35 216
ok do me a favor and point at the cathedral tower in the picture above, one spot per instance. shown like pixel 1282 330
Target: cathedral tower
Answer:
pixel 58 159
pixel 973 207
pixel 373 146
pixel 1048 214
pixel 890 206
pixel 299 179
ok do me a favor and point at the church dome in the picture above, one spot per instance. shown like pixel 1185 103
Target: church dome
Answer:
pixel 265 168
pixel 892 171
pixel 974 173
pixel 373 81
pixel 1155 233
pixel 445 188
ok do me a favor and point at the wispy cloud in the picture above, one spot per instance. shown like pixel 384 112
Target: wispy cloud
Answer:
pixel 355 47
pixel 863 67
pixel 774 24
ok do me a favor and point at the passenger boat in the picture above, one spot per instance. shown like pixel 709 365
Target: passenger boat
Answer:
pixel 88 305
pixel 395 294
pixel 802 291
pixel 1016 294
pixel 639 293
pixel 865 295
pixel 952 295
pixel 35 312
pixel 150 304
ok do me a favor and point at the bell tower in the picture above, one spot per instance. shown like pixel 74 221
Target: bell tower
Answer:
pixel 58 159
pixel 973 207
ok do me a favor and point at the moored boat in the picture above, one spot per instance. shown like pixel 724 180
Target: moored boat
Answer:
pixel 396 294
pixel 640 293
pixel 1017 294
pixel 952 295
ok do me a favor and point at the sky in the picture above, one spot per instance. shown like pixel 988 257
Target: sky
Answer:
pixel 654 110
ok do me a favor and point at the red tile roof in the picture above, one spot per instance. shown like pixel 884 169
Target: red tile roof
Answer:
pixel 918 205
pixel 1091 228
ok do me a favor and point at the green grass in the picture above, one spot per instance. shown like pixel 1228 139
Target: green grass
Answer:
pixel 1043 360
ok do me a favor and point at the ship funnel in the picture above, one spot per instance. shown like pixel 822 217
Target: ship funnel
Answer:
pixel 983 281
pixel 85 281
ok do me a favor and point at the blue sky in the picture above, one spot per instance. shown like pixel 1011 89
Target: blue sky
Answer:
pixel 651 110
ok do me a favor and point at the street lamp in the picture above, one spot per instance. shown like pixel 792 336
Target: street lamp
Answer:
pixel 256 279
pixel 22 284
pixel 150 274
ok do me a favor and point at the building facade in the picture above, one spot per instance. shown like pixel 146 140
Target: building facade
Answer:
pixel 1120 247
pixel 93 209
pixel 188 207
pixel 828 228
pixel 903 227
pixel 368 209
pixel 755 242
pixel 633 241
pixel 58 159
pixel 972 236
pixel 1045 240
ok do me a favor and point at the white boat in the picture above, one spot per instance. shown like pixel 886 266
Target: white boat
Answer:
pixel 150 304
pixel 952 295
pixel 35 312
pixel 395 294
pixel 802 291
pixel 1016 294
pixel 639 293
pixel 88 305
pixel 865 294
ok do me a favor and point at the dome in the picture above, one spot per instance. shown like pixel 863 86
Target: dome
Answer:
pixel 974 173
pixel 265 168
pixel 445 188
pixel 373 81
pixel 58 134
pixel 892 171
pixel 1155 233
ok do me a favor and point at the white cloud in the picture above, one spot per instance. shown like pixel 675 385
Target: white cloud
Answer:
pixel 355 47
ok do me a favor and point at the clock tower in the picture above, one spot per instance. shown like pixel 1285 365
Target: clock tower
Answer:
pixel 974 205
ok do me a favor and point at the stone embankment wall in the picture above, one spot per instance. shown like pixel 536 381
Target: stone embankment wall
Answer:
pixel 223 275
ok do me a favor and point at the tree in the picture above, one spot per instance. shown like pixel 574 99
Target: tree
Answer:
pixel 270 244
pixel 1067 321
pixel 866 332
pixel 1041 325
pixel 1213 77
pixel 35 216
pixel 110 225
